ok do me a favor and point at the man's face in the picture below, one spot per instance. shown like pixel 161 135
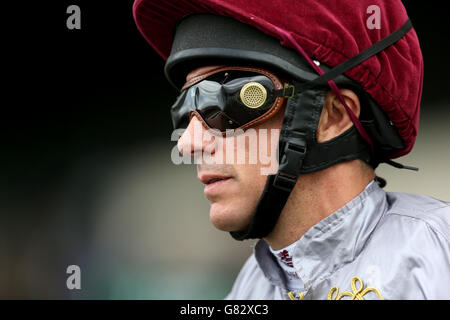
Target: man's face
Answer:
pixel 234 186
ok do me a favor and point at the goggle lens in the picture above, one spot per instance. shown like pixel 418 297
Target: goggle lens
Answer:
pixel 227 100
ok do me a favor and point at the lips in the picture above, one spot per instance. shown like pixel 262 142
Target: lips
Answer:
pixel 209 178
pixel 216 184
pixel 214 180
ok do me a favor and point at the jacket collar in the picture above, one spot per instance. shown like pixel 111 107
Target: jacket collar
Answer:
pixel 331 243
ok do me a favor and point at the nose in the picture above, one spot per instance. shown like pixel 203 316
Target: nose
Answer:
pixel 195 139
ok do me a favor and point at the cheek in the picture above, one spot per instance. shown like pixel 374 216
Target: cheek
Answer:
pixel 251 180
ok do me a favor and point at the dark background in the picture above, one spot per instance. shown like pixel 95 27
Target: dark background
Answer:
pixel 96 93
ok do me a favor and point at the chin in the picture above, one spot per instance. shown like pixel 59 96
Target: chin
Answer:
pixel 226 219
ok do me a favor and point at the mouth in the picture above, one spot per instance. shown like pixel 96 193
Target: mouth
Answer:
pixel 210 178
pixel 213 182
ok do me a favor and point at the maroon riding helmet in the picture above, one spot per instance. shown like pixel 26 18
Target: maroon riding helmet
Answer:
pixel 315 45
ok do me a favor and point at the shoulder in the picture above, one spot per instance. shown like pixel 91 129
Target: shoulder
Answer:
pixel 415 234
pixel 419 211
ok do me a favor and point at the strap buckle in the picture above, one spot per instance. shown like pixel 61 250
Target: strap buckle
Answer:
pixel 288 91
pixel 286 87
pixel 284 182
pixel 290 165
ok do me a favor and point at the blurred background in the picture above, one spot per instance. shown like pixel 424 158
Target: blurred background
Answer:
pixel 85 172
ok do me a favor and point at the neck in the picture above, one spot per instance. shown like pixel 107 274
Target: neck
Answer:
pixel 316 196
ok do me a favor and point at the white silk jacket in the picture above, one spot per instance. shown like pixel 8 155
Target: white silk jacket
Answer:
pixel 380 245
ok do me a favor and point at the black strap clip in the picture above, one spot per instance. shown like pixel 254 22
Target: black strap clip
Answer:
pixel 290 165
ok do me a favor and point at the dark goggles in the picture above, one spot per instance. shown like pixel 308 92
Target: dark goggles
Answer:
pixel 230 98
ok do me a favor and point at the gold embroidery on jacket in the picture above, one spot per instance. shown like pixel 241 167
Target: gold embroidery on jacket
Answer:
pixel 356 294
pixel 301 295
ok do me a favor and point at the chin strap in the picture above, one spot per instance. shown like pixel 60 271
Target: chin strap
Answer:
pixel 297 146
pixel 292 148
pixel 299 152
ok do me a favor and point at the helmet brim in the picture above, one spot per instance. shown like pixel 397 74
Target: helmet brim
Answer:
pixel 206 39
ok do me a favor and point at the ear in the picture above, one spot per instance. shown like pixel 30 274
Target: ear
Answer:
pixel 335 119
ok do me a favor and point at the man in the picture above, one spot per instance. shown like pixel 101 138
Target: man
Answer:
pixel 339 90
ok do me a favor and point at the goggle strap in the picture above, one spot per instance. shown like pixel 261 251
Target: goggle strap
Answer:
pixel 360 57
pixel 288 91
pixel 350 63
